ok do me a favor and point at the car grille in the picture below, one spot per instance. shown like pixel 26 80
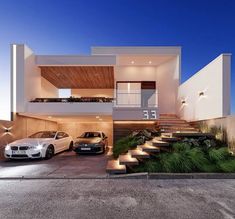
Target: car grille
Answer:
pixel 23 148
pixel 19 155
pixel 86 145
pixel 14 148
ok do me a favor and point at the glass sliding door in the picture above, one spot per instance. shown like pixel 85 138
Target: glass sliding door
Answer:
pixel 129 94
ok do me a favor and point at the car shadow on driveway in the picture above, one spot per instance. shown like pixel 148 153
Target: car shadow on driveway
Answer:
pixel 65 164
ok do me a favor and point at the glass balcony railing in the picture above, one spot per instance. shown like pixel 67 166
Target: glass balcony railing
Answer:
pixel 141 98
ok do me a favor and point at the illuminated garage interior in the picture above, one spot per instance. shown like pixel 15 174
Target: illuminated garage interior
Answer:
pixel 76 125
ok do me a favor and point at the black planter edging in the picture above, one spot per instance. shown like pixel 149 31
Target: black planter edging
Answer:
pixel 174 176
pixel 191 176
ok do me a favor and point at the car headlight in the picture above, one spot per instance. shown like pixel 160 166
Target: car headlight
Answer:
pixel 7 147
pixel 37 147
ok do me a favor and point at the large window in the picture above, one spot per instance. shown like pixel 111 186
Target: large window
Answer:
pixel 136 94
pixel 128 94
pixel 64 93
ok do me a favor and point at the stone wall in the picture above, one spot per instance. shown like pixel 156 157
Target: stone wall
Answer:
pixel 225 128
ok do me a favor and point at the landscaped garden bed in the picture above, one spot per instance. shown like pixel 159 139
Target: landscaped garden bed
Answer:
pixel 188 155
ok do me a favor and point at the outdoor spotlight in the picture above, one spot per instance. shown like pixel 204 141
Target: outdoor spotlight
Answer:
pixel 7 130
pixel 201 93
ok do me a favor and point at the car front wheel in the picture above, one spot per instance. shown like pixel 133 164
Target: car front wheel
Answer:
pixel 49 152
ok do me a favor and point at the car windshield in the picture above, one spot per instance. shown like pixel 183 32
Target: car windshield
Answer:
pixel 90 135
pixel 44 134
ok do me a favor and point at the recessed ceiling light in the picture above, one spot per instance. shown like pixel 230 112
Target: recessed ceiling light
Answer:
pixel 150 62
pixel 132 62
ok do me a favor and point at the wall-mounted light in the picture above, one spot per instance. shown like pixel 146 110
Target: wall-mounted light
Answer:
pixel 7 130
pixel 132 62
pixel 201 94
pixel 183 101
pixel 150 62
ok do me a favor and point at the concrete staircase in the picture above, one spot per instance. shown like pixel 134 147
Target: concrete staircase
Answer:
pixel 172 129
pixel 170 123
pixel 134 156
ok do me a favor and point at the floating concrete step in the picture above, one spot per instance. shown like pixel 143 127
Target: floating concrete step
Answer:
pixel 174 125
pixel 178 127
pixel 169 138
pixel 139 154
pixel 159 121
pixel 177 131
pixel 158 143
pixel 191 134
pixel 113 166
pixel 127 159
pixel 149 148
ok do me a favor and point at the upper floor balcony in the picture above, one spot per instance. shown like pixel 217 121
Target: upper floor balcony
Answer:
pixel 71 106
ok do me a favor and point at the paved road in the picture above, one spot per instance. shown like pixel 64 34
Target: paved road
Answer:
pixel 110 198
pixel 66 164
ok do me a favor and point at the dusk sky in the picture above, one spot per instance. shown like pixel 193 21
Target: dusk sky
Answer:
pixel 204 29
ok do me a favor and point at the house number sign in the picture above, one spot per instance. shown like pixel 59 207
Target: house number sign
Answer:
pixel 149 114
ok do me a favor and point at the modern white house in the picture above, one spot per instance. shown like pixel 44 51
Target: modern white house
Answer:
pixel 133 86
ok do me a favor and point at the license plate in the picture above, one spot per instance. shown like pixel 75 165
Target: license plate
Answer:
pixel 85 149
pixel 18 152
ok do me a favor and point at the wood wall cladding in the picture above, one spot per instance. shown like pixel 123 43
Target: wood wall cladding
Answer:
pixel 123 129
pixel 79 76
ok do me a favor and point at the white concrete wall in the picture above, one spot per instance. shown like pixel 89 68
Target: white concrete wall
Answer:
pixel 166 76
pixel 214 81
pixel 60 60
pixel 92 92
pixel 60 109
pixel 26 77
pixel 48 90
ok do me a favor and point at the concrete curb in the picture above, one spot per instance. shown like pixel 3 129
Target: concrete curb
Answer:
pixel 143 175
pixel 130 176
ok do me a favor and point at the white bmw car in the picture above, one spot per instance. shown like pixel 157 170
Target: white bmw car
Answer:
pixel 42 144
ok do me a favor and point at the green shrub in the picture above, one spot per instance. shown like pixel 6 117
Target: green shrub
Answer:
pixel 227 166
pixel 216 155
pixel 123 145
pixel 185 159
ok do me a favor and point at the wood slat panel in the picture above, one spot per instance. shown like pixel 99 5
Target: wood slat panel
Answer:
pixel 79 76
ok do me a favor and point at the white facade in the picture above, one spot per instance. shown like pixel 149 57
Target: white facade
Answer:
pixel 161 65
pixel 207 93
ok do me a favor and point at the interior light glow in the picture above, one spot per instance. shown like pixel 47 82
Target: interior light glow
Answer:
pixel 132 62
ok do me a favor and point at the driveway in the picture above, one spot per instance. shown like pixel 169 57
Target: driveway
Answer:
pixel 107 198
pixel 66 164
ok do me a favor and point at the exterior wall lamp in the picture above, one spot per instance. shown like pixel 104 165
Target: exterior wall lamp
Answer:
pixel 183 101
pixel 201 94
pixel 7 130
